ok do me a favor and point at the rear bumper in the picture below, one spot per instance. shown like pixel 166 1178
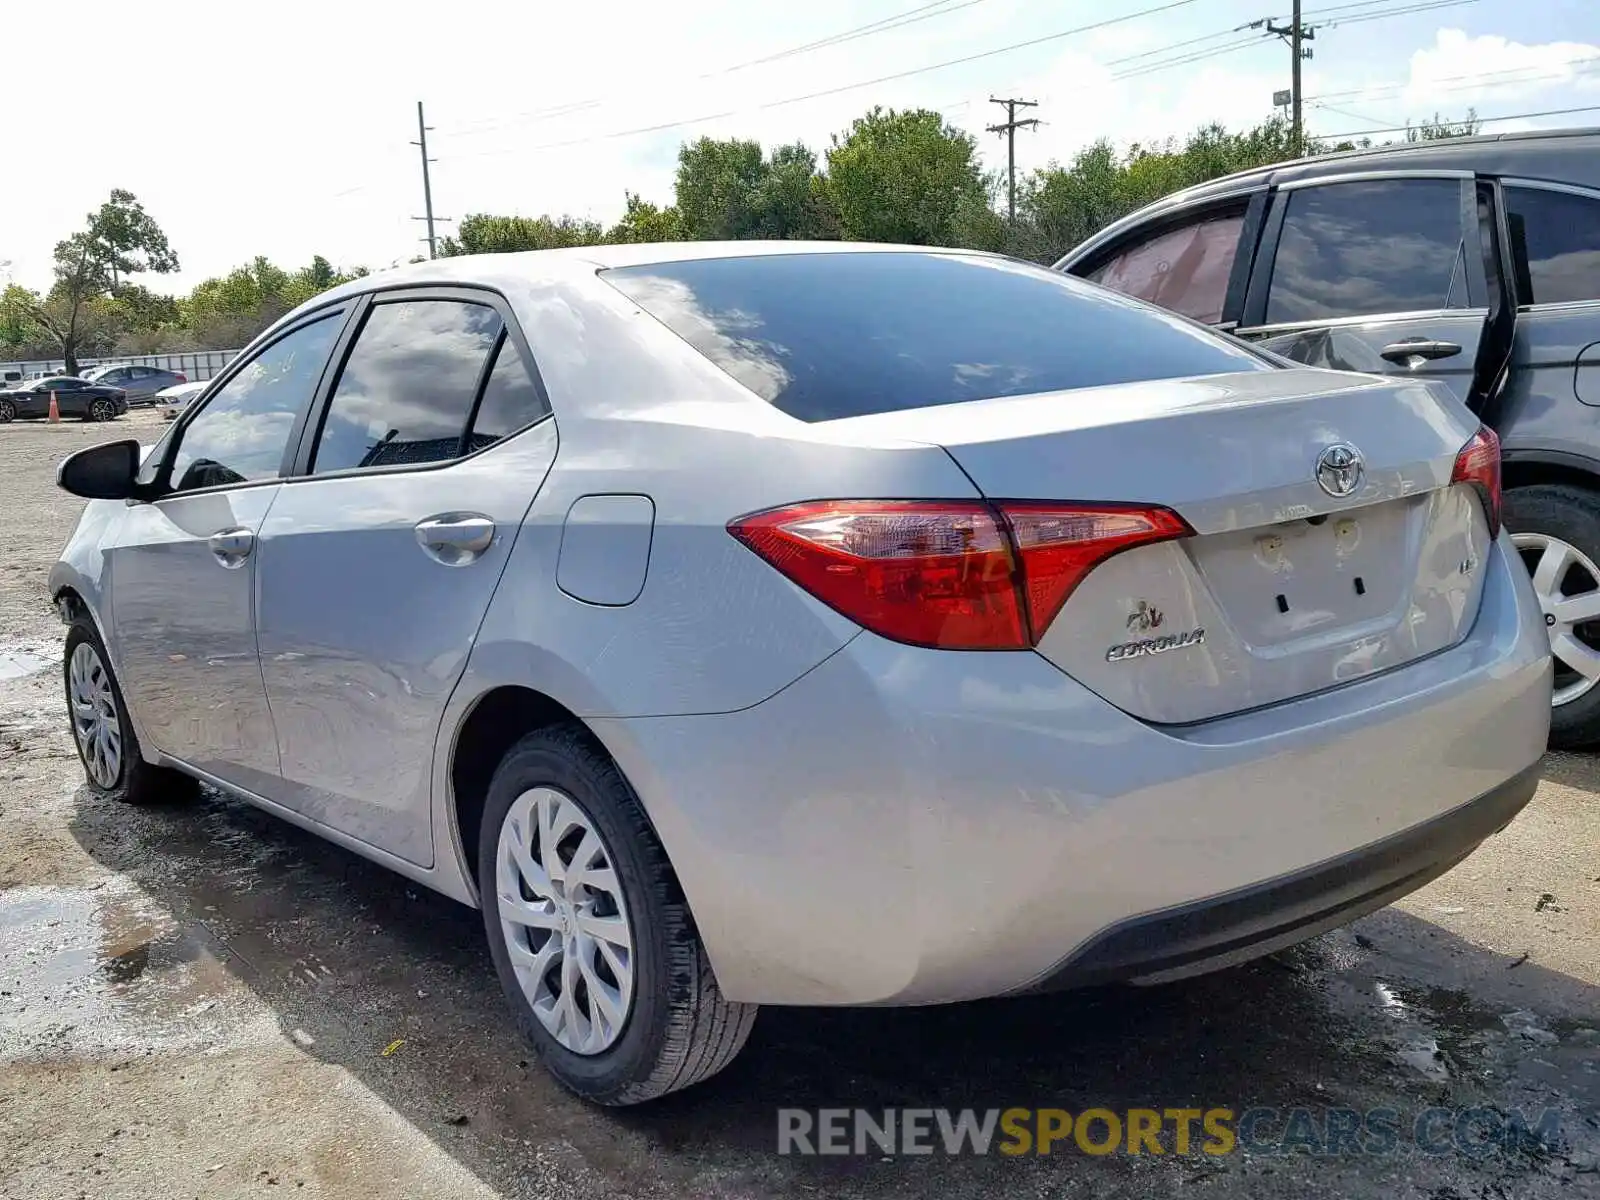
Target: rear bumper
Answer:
pixel 1257 920
pixel 907 826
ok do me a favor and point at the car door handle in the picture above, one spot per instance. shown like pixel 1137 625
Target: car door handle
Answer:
pixel 1420 349
pixel 456 539
pixel 232 546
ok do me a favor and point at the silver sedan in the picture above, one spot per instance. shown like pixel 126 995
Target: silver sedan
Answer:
pixel 811 624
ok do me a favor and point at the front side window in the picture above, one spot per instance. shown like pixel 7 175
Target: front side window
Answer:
pixel 407 388
pixel 1367 248
pixel 242 432
pixel 1183 269
pixel 844 334
pixel 1558 233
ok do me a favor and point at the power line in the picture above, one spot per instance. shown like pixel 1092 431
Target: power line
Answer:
pixel 845 87
pixel 925 12
pixel 1549 112
pixel 1008 130
pixel 1478 80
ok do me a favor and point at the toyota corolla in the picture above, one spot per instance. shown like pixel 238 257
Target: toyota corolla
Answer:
pixel 811 625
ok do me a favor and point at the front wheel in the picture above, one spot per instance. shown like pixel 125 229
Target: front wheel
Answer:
pixel 589 930
pixel 1556 530
pixel 8 412
pixel 102 732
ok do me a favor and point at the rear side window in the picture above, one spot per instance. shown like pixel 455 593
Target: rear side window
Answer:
pixel 1361 249
pixel 1559 233
pixel 407 389
pixel 1184 269
pixel 830 335
pixel 510 399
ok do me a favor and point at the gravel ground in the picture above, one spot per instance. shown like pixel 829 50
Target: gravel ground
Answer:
pixel 206 1002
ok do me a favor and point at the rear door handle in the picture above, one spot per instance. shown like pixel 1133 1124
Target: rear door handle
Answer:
pixel 232 546
pixel 1418 349
pixel 456 539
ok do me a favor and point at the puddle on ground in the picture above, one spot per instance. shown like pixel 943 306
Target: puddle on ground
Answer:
pixel 100 970
pixel 18 660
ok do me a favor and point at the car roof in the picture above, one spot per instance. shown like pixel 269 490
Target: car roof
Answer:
pixel 1558 156
pixel 536 266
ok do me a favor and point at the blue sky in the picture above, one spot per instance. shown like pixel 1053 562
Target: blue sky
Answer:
pixel 287 133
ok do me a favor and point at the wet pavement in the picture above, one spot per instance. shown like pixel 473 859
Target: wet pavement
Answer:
pixel 202 1001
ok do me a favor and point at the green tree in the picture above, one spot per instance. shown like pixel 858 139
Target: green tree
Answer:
pixel 645 222
pixel 904 177
pixel 228 311
pixel 128 240
pixel 1439 129
pixel 119 239
pixel 729 190
pixel 485 233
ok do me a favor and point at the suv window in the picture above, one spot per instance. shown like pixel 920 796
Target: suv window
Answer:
pixel 1184 269
pixel 243 430
pixel 1559 233
pixel 407 388
pixel 843 334
pixel 1360 249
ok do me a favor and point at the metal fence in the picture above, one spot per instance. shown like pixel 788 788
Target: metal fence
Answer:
pixel 198 365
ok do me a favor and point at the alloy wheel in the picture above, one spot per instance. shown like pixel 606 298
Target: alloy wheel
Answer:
pixel 95 722
pixel 565 920
pixel 8 412
pixel 1567 583
pixel 101 410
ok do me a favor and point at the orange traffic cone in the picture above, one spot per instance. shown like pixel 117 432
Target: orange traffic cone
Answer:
pixel 55 410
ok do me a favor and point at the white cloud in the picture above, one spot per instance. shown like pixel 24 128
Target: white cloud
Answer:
pixel 1458 70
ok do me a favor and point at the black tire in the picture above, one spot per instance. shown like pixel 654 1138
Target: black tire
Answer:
pixel 8 412
pixel 136 782
pixel 100 411
pixel 680 1029
pixel 1571 514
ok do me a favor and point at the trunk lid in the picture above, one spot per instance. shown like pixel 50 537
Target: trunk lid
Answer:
pixel 1285 589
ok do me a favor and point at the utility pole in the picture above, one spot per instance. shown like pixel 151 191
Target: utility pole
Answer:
pixel 1295 33
pixel 1008 130
pixel 427 186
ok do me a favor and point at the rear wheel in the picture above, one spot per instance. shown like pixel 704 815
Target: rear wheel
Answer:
pixel 1556 529
pixel 589 930
pixel 102 732
pixel 101 410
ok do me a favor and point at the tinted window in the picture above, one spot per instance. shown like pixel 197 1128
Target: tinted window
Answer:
pixel 1358 249
pixel 407 388
pixel 244 428
pixel 1184 269
pixel 65 385
pixel 1560 234
pixel 832 335
pixel 510 399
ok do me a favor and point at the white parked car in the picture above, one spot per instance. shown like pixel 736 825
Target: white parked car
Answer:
pixel 173 400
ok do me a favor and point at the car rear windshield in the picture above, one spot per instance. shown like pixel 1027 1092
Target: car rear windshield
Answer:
pixel 830 335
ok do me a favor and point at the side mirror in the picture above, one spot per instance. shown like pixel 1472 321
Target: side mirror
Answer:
pixel 105 472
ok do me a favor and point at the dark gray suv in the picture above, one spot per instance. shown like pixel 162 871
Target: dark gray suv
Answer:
pixel 1473 261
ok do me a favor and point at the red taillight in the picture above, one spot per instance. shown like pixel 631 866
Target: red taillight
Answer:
pixel 1479 464
pixel 182 378
pixel 959 575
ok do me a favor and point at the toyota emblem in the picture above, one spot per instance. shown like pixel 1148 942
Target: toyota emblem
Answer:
pixel 1339 469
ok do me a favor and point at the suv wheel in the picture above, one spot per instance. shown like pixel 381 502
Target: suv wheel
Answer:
pixel 1556 529
pixel 102 732
pixel 589 930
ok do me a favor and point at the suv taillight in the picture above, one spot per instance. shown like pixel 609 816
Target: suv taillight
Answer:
pixel 953 574
pixel 1478 463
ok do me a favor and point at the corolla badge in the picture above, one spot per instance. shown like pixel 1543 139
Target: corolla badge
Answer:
pixel 1339 469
